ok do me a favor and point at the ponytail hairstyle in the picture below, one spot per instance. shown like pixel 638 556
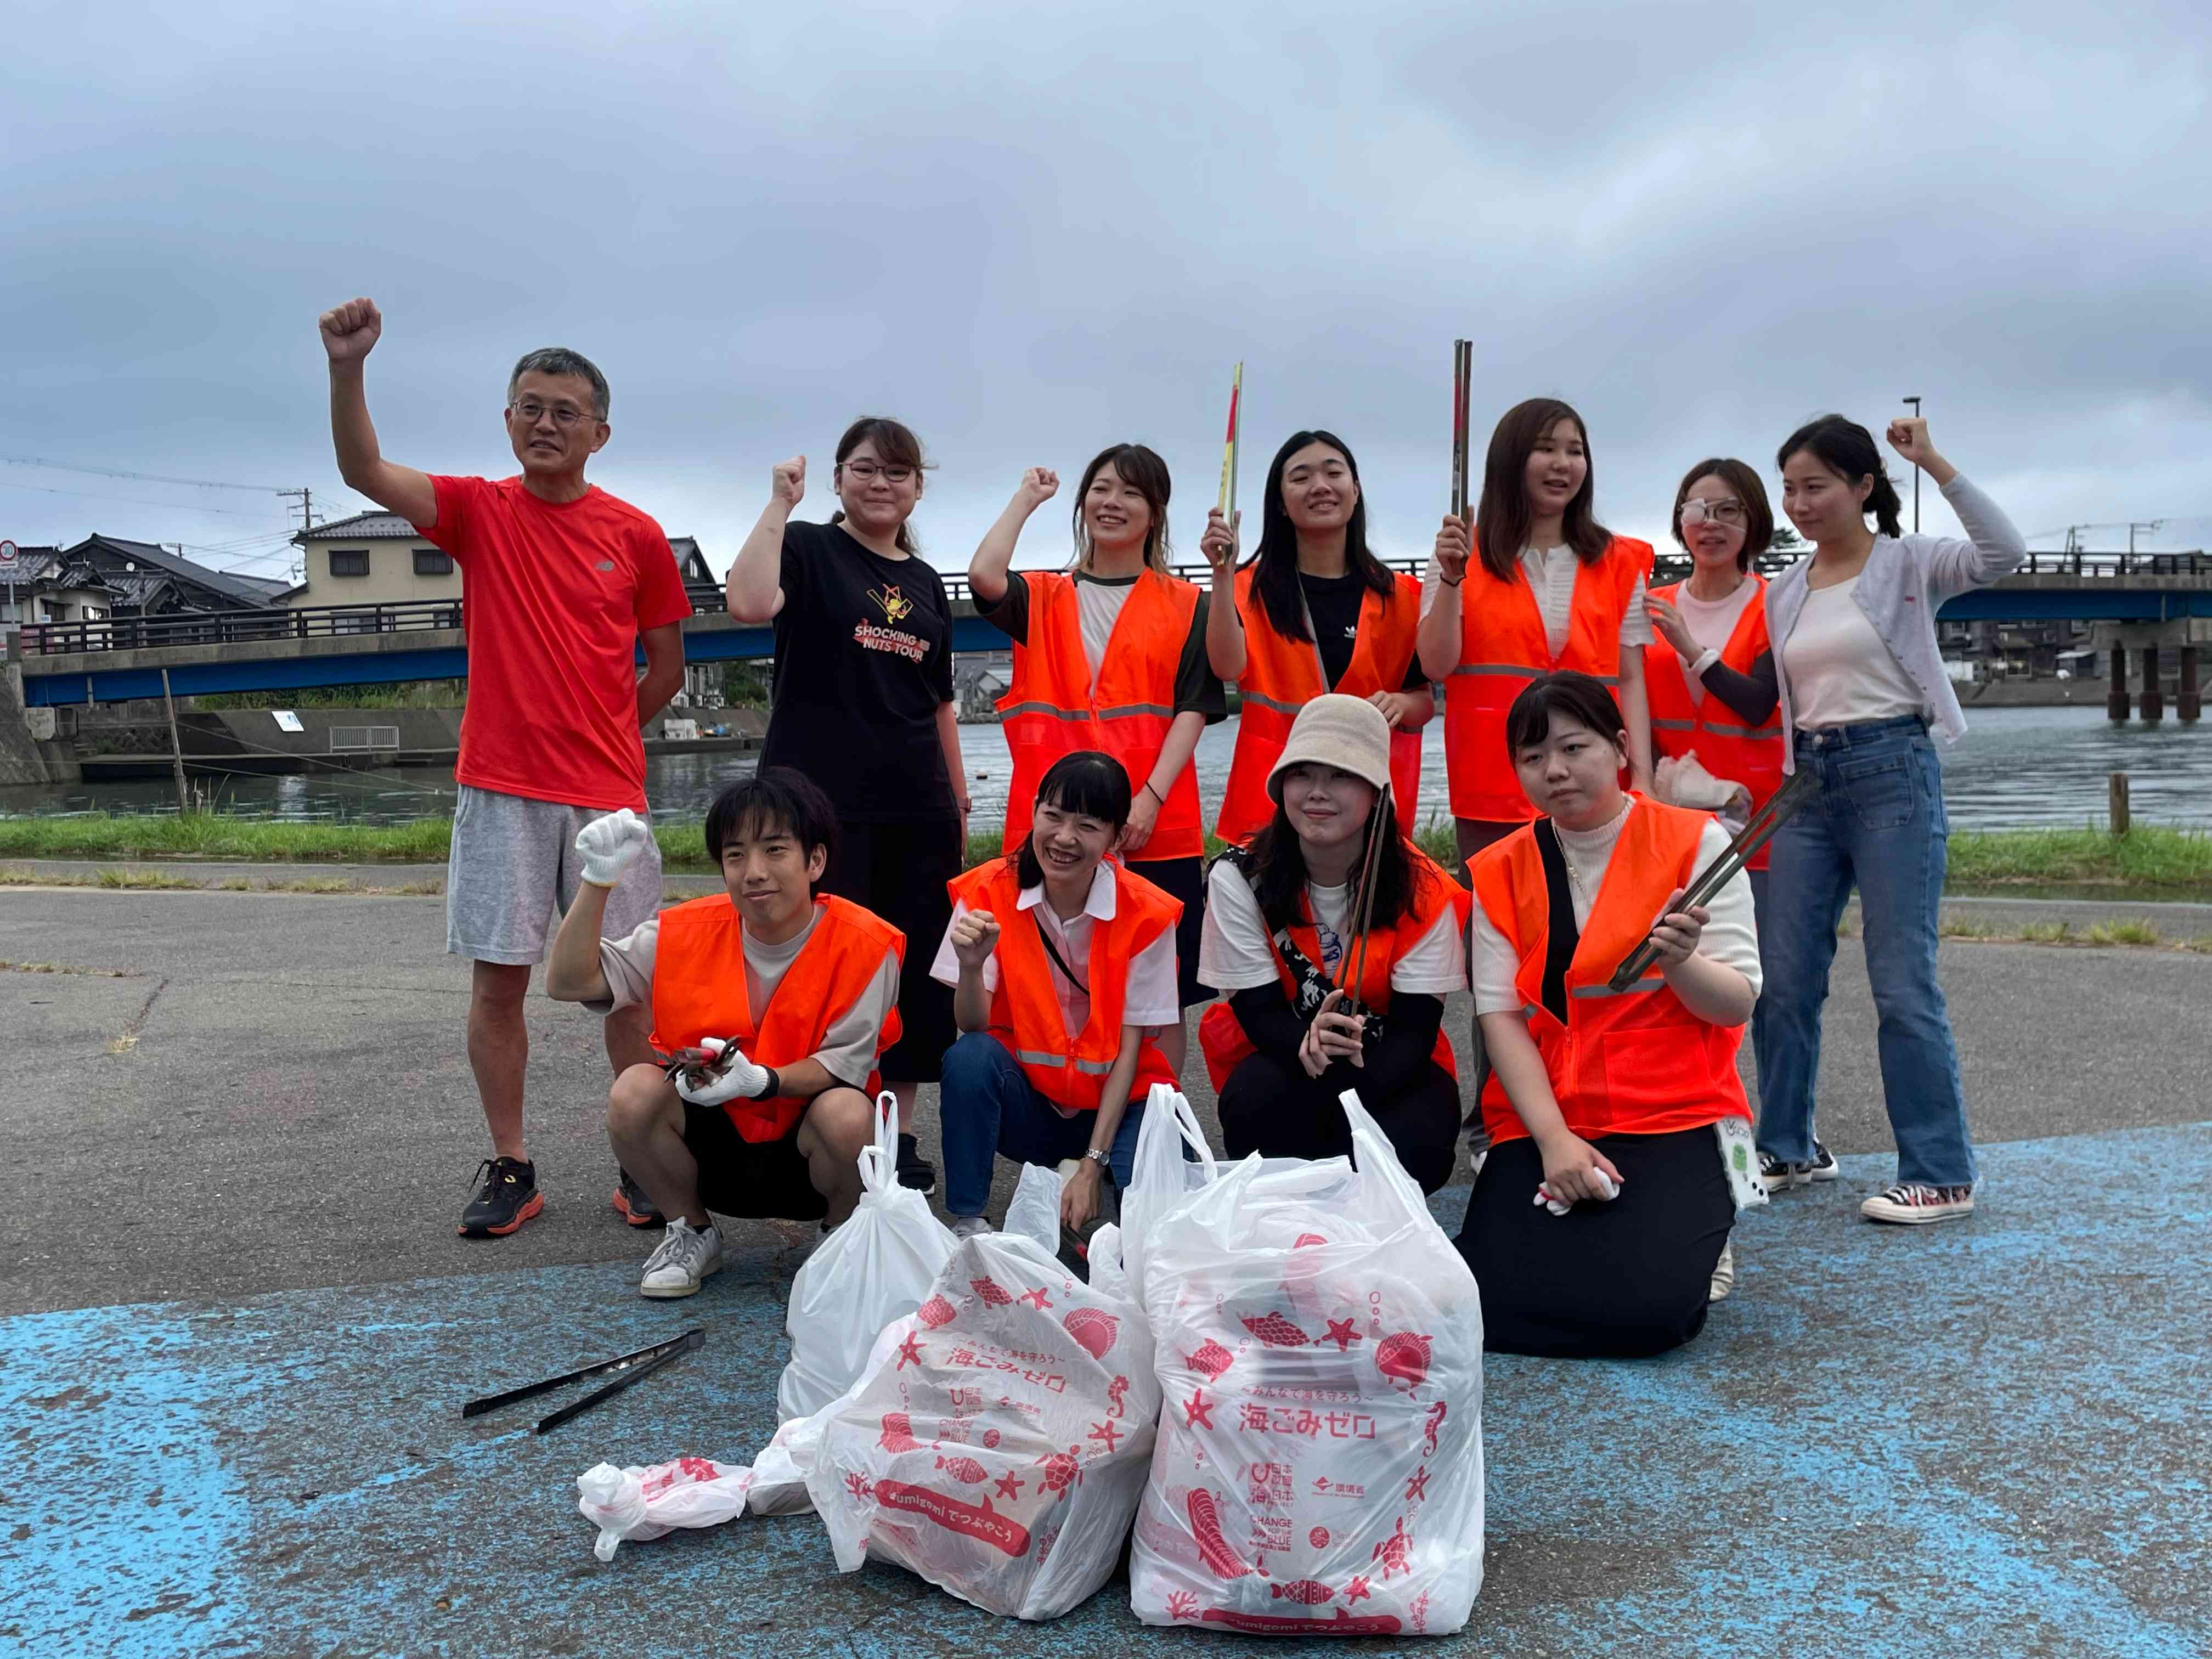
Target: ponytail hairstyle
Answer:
pixel 1276 581
pixel 896 446
pixel 1502 518
pixel 1274 864
pixel 1847 449
pixel 1087 782
pixel 1142 468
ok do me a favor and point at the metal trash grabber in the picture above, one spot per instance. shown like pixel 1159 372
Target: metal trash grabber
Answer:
pixel 1778 812
pixel 1361 911
pixel 632 1366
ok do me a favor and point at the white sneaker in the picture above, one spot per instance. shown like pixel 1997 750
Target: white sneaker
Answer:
pixel 969 1226
pixel 1724 1273
pixel 682 1260
pixel 1911 1203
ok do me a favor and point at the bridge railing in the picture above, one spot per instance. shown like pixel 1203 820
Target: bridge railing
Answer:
pixel 260 627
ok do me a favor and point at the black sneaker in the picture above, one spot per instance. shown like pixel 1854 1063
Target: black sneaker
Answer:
pixel 913 1169
pixel 632 1205
pixel 508 1198
pixel 1823 1166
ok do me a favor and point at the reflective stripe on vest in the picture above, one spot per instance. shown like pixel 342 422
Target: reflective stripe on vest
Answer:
pixel 1635 1062
pixel 700 990
pixel 1221 1038
pixel 1025 1013
pixel 1723 745
pixel 1282 675
pixel 1052 708
pixel 1503 647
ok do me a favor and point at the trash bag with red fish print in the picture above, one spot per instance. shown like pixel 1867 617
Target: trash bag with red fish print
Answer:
pixel 1319 1345
pixel 869 1272
pixel 1001 1451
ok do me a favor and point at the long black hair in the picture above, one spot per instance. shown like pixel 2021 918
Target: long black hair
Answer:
pixel 1847 449
pixel 1274 864
pixel 1088 783
pixel 1503 518
pixel 1276 581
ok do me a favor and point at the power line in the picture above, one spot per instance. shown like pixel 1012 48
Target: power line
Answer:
pixel 149 477
pixel 138 501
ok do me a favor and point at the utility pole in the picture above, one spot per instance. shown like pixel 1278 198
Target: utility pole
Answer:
pixel 2148 526
pixel 1915 402
pixel 307 522
pixel 176 750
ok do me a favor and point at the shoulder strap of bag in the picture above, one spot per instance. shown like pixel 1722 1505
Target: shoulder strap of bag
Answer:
pixel 1563 936
pixel 1044 938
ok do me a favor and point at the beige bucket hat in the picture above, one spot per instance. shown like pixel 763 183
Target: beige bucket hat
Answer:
pixel 1335 730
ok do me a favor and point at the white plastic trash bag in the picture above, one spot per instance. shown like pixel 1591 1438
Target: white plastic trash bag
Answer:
pixel 1319 1465
pixel 1160 1176
pixel 643 1504
pixel 780 1472
pixel 1002 1451
pixel 872 1270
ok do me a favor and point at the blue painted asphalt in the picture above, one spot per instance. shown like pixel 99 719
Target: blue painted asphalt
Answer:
pixel 1986 1437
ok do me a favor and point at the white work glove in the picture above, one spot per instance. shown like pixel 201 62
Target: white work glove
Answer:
pixel 607 845
pixel 1560 1206
pixel 735 1077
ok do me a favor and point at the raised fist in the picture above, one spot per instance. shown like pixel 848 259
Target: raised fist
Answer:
pixel 350 331
pixel 1039 485
pixel 974 937
pixel 1908 436
pixel 788 480
pixel 608 844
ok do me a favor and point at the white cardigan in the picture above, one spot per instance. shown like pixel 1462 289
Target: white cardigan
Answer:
pixel 1905 580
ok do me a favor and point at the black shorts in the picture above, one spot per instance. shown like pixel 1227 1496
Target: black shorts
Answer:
pixel 753 1179
pixel 1183 878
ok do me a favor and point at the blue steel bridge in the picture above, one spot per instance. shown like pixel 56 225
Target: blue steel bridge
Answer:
pixel 2148 603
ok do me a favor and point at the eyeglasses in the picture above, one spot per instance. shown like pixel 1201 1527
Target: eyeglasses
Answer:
pixel 563 417
pixel 869 471
pixel 1728 511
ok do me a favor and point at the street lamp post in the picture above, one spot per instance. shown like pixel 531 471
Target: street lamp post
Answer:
pixel 1915 402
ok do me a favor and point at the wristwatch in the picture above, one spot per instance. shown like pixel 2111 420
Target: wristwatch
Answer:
pixel 1092 1154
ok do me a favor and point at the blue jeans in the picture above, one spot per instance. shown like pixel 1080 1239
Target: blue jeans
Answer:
pixel 987 1109
pixel 1878 823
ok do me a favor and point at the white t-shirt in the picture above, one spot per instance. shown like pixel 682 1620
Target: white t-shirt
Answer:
pixel 1152 995
pixel 1237 952
pixel 1730 937
pixel 1840 671
pixel 1710 623
pixel 848 1047
pixel 1097 608
pixel 1550 572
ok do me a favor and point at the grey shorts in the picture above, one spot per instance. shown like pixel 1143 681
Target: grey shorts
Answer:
pixel 513 872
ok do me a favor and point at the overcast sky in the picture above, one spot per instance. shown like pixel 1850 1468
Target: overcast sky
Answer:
pixel 1032 234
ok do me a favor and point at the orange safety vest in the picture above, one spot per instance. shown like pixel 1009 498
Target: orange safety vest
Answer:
pixel 1502 647
pixel 1053 709
pixel 1025 1016
pixel 1625 1062
pixel 699 990
pixel 1282 675
pixel 1221 1037
pixel 1727 747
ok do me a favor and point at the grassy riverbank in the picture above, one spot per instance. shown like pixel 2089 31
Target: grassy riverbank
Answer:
pixel 2150 863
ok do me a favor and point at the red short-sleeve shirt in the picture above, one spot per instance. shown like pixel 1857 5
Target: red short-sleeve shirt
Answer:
pixel 555 595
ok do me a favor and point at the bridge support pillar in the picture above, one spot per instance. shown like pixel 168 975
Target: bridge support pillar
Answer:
pixel 2190 705
pixel 2153 694
pixel 2116 699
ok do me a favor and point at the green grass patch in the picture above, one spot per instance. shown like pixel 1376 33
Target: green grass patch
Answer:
pixel 2149 856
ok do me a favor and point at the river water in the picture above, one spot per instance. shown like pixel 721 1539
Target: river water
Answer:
pixel 2016 769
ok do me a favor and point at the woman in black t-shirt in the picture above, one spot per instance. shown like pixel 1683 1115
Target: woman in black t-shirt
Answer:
pixel 861 702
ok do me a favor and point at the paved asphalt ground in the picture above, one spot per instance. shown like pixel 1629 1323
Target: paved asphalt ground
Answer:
pixel 238 1324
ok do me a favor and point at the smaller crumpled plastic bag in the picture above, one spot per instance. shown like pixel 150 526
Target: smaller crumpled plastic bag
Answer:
pixel 644 1504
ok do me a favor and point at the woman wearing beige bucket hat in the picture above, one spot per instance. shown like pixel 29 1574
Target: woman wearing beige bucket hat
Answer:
pixel 1335 941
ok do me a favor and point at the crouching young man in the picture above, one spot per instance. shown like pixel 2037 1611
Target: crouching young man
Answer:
pixel 801 987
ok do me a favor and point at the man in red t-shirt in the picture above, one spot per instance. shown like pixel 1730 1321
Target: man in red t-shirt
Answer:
pixel 562 582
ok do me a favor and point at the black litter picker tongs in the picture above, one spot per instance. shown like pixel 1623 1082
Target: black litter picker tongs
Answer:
pixel 1778 811
pixel 629 1368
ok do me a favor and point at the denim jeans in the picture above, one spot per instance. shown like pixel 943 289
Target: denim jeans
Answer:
pixel 988 1109
pixel 1877 823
